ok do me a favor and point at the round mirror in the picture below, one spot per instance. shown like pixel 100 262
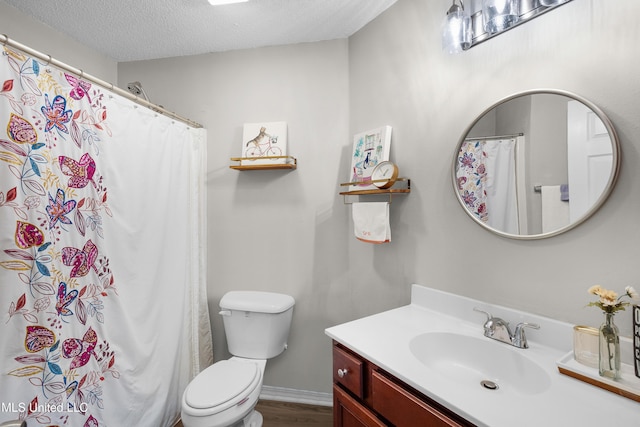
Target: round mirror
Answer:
pixel 536 164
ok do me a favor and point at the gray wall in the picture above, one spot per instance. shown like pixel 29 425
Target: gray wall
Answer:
pixel 585 47
pixel 282 231
pixel 291 232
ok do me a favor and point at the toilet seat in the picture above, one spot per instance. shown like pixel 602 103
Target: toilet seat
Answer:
pixel 222 385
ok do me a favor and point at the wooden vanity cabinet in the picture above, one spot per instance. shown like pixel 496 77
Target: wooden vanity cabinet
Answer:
pixel 366 396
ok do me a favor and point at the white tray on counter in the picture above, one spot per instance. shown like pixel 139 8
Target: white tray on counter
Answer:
pixel 628 385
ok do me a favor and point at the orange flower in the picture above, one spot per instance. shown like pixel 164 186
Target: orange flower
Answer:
pixel 608 300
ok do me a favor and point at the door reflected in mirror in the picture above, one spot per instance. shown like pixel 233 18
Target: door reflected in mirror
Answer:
pixel 536 164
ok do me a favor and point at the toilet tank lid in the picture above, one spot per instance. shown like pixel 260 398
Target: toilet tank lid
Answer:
pixel 257 301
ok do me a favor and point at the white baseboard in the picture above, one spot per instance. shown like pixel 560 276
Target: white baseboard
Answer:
pixel 282 394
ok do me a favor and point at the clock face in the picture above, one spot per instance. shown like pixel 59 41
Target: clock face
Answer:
pixel 386 172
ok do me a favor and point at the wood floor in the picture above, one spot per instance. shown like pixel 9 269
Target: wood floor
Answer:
pixel 286 414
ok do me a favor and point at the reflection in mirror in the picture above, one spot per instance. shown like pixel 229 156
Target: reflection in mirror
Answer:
pixel 536 164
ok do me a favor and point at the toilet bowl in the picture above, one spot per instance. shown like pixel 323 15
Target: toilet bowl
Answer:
pixel 225 394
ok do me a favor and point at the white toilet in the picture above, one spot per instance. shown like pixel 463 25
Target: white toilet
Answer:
pixel 256 325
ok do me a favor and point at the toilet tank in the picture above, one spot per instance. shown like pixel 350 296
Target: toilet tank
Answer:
pixel 256 323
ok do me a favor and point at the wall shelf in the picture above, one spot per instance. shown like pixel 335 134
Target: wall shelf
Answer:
pixel 292 163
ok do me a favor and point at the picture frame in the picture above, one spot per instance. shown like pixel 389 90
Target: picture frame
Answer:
pixel 263 140
pixel 369 149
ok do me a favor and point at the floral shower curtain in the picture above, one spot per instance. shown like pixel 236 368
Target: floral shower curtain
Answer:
pixel 486 178
pixel 102 247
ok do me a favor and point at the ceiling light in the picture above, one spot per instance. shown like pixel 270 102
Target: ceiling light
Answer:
pixel 221 2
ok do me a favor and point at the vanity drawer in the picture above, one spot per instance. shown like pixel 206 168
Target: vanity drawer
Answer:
pixel 348 371
pixel 402 408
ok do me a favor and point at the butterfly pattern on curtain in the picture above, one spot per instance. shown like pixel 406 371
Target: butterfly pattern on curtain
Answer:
pixel 54 197
pixel 471 175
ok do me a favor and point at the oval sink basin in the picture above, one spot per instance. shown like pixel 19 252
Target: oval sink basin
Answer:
pixel 470 360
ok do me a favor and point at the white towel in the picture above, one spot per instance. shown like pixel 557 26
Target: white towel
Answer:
pixel 371 222
pixel 555 212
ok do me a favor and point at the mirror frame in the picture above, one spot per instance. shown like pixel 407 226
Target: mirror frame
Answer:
pixel 615 142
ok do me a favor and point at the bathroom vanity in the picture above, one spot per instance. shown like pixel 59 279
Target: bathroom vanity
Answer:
pixel 428 363
pixel 366 395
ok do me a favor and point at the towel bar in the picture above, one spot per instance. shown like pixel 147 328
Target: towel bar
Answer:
pixel 388 191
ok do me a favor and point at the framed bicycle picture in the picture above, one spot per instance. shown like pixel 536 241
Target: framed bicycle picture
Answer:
pixel 369 149
pixel 266 142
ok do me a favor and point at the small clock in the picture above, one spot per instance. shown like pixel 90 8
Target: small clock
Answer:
pixel 384 174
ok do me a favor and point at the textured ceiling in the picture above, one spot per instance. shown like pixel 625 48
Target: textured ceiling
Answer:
pixel 129 30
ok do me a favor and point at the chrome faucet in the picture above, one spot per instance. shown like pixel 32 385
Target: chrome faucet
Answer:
pixel 497 329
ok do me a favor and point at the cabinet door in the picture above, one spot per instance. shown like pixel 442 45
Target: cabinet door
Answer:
pixel 402 408
pixel 347 412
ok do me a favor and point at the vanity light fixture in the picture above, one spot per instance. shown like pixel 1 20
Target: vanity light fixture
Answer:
pixel 221 2
pixel 493 18
pixel 456 29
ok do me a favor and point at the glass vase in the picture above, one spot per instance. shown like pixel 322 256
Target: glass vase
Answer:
pixel 609 353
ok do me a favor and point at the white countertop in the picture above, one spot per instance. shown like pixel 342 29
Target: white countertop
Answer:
pixel 384 340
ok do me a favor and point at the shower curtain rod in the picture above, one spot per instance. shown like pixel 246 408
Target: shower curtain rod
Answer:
pixel 6 41
pixel 513 135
